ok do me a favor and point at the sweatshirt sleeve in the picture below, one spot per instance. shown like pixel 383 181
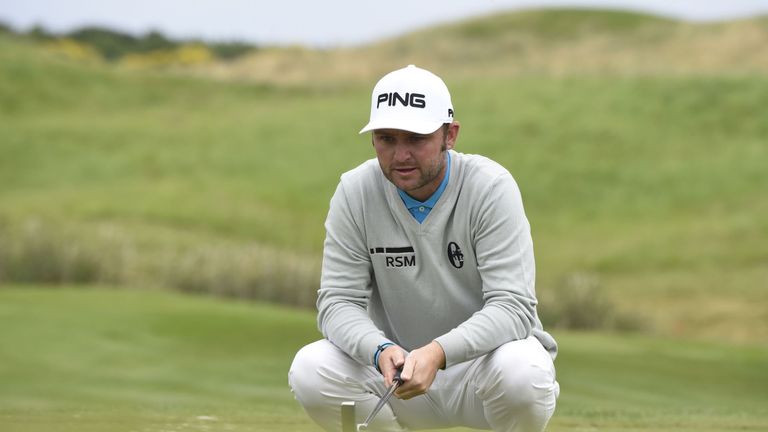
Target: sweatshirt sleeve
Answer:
pixel 504 252
pixel 345 284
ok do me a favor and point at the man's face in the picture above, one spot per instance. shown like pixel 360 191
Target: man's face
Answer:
pixel 414 162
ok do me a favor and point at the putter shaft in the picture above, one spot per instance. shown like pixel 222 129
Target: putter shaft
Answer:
pixel 395 384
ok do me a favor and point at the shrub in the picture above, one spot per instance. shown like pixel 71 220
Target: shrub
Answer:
pixel 579 302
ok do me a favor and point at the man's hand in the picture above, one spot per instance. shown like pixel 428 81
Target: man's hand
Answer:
pixel 419 370
pixel 390 360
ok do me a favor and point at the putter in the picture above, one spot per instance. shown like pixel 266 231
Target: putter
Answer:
pixel 395 384
pixel 348 409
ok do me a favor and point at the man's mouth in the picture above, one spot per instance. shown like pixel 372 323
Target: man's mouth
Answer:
pixel 405 170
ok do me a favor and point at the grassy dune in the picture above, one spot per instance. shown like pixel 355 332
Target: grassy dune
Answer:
pixel 649 185
pixel 548 42
pixel 75 359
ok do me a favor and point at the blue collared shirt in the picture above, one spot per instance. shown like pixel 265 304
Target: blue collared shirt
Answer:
pixel 419 209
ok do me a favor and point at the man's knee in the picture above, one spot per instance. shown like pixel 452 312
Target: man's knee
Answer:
pixel 518 388
pixel 304 376
pixel 523 372
pixel 320 371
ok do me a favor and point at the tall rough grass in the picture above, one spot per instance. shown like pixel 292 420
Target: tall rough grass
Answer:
pixel 38 252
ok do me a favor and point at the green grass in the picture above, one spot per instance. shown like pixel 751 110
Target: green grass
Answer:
pixel 653 185
pixel 186 153
pixel 637 142
pixel 80 359
pixel 558 24
pixel 130 360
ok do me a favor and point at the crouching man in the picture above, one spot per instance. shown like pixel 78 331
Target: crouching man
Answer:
pixel 428 267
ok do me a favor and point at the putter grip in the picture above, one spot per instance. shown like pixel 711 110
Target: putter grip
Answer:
pixel 397 376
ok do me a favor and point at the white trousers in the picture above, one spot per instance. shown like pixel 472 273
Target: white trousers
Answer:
pixel 512 388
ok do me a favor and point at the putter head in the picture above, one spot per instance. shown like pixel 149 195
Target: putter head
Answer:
pixel 348 417
pixel 362 427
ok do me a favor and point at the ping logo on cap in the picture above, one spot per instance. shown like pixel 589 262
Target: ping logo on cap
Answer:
pixel 415 100
pixel 399 101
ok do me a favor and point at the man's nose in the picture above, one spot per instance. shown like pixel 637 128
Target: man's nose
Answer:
pixel 402 153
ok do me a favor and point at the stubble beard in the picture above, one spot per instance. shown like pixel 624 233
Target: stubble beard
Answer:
pixel 425 177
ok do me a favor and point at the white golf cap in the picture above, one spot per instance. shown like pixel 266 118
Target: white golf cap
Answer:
pixel 411 99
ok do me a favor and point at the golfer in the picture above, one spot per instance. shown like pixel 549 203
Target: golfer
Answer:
pixel 427 266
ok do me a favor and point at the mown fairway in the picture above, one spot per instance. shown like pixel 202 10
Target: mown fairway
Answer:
pixel 76 359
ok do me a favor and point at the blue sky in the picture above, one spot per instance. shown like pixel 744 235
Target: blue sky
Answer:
pixel 315 23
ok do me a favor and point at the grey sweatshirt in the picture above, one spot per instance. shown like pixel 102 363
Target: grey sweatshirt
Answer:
pixel 464 277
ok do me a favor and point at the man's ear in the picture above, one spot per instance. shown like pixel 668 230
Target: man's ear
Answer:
pixel 451 134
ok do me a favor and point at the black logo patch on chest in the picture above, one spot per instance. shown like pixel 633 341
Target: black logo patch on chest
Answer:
pixel 455 256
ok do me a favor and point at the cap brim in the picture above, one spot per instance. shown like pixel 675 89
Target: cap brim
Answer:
pixel 410 126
